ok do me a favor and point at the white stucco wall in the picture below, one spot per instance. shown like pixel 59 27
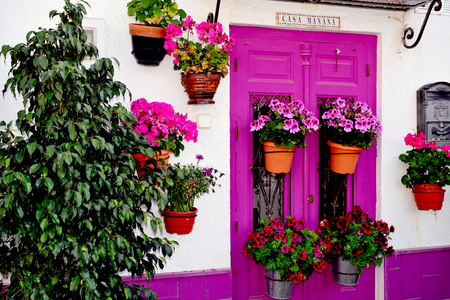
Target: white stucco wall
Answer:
pixel 401 72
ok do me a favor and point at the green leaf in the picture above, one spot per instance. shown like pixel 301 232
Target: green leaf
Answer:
pixel 54 217
pixel 127 293
pixel 50 150
pixel 20 212
pixel 5 49
pixel 88 225
pixel 72 132
pixel 55 280
pixel 34 168
pixel 44 224
pixel 43 62
pixel 40 214
pixel 74 283
pixel 49 184
pixel 44 237
pixel 31 147
pixel 78 198
pixel 91 283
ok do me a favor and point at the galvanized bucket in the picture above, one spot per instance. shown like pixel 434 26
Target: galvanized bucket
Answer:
pixel 344 272
pixel 276 288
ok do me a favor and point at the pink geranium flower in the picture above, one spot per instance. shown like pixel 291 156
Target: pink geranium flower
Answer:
pixel 286 124
pixel 349 122
pixel 200 47
pixel 162 126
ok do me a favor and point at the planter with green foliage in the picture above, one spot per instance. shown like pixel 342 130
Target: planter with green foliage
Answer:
pixel 71 206
pixel 148 36
pixel 189 182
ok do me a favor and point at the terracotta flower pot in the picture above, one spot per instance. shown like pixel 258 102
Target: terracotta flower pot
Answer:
pixel 428 196
pixel 343 159
pixel 278 159
pixel 179 222
pixel 200 87
pixel 148 44
pixel 143 158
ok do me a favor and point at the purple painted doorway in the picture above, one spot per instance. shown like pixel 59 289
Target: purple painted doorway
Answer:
pixel 287 64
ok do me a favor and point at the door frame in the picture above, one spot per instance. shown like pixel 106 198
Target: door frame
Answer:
pixel 238 232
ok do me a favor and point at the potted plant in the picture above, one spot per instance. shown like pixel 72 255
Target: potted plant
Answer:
pixel 148 35
pixel 203 61
pixel 350 126
pixel 282 131
pixel 289 252
pixel 72 212
pixel 163 128
pixel 428 171
pixel 354 241
pixel 189 182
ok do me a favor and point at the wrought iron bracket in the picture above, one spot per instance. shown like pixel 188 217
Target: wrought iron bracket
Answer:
pixel 211 16
pixel 409 32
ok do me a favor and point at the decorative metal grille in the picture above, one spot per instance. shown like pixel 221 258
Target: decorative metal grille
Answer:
pixel 333 187
pixel 268 188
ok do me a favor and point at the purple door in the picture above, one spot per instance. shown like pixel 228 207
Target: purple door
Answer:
pixel 289 64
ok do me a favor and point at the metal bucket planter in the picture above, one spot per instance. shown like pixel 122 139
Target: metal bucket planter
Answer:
pixel 276 288
pixel 344 272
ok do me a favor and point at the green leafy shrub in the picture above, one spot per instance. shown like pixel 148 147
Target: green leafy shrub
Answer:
pixel 72 210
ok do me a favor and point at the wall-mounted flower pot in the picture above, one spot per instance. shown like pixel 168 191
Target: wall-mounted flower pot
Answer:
pixel 148 44
pixel 428 196
pixel 179 222
pixel 141 159
pixel 344 272
pixel 200 87
pixel 278 159
pixel 343 159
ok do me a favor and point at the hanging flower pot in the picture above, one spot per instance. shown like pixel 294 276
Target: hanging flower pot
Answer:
pixel 200 87
pixel 428 196
pixel 343 159
pixel 275 287
pixel 344 272
pixel 143 158
pixel 179 222
pixel 278 159
pixel 148 44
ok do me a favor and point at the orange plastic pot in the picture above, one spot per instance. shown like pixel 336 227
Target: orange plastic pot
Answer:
pixel 343 159
pixel 428 196
pixel 278 159
pixel 143 158
pixel 179 222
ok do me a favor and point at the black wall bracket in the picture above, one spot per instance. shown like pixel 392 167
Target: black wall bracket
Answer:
pixel 211 16
pixel 409 32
